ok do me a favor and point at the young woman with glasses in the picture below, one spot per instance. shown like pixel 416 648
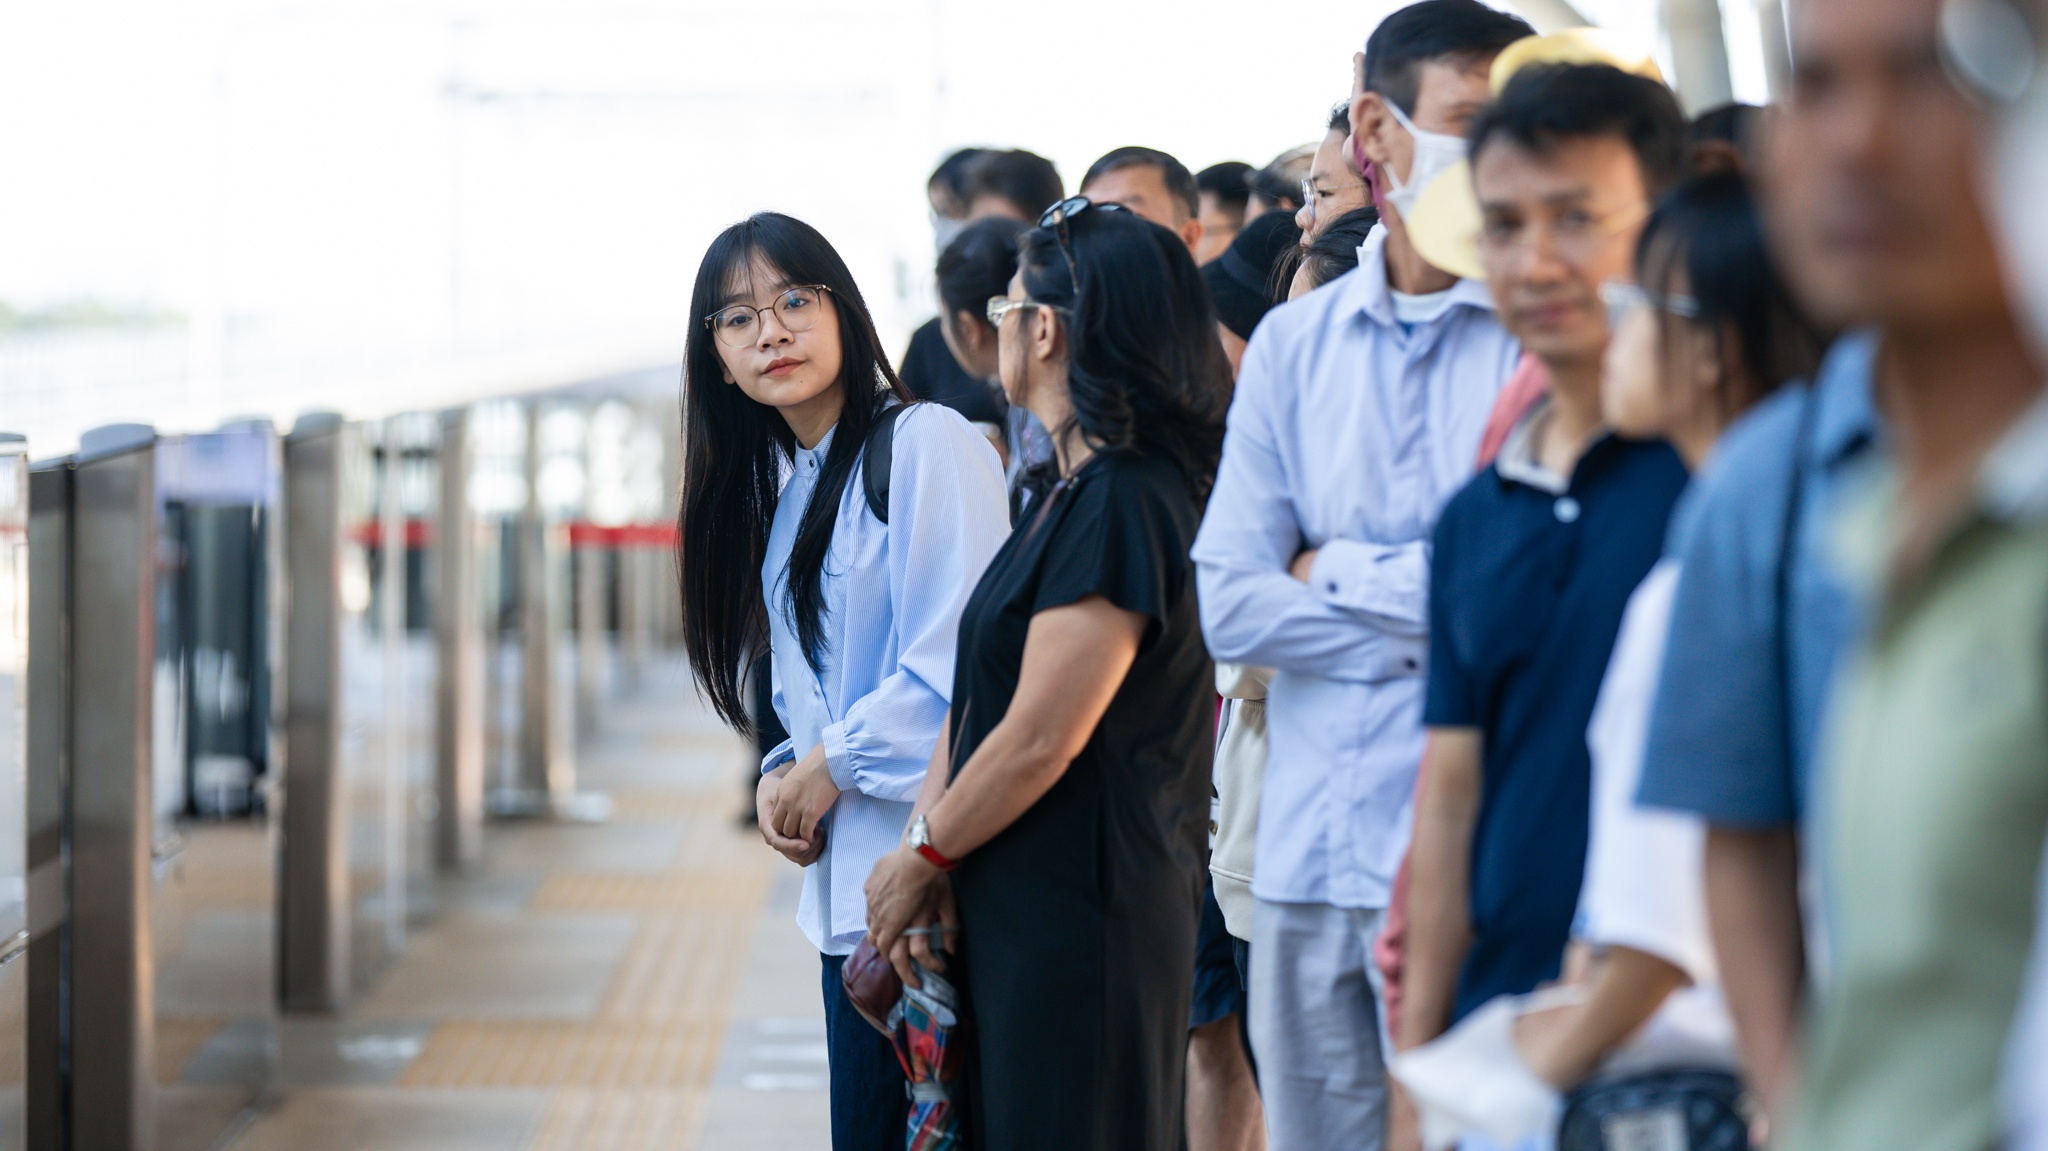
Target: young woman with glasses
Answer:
pixel 784 381
pixel 1069 800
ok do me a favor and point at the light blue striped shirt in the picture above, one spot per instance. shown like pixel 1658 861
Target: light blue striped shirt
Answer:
pixel 893 594
pixel 1349 432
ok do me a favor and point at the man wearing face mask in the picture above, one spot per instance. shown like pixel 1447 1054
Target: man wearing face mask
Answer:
pixel 1359 411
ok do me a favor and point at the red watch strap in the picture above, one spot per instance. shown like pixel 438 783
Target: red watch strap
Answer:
pixel 932 856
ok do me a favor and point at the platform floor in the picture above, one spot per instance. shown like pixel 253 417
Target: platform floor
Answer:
pixel 635 985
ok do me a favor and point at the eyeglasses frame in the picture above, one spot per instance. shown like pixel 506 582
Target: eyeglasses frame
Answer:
pixel 708 320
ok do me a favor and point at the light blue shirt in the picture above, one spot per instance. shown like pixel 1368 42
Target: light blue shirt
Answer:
pixel 893 594
pixel 1348 434
pixel 1738 715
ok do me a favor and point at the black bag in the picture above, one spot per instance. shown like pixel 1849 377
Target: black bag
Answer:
pixel 876 456
pixel 1675 1109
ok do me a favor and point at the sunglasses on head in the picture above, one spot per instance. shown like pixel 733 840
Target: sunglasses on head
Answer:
pixel 1056 218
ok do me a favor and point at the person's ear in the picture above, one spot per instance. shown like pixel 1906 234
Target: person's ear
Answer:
pixel 1044 333
pixel 1369 121
pixel 1191 234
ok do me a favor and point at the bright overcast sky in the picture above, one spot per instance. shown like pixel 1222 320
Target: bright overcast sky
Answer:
pixel 351 202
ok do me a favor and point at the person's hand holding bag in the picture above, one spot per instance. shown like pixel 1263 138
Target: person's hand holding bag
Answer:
pixel 907 893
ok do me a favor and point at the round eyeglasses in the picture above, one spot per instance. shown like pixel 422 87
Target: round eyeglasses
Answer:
pixel 795 308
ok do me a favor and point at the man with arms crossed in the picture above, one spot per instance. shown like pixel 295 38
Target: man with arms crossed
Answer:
pixel 1359 411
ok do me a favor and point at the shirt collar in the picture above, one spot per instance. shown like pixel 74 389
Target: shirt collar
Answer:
pixel 812 460
pixel 1846 420
pixel 1517 461
pixel 1371 294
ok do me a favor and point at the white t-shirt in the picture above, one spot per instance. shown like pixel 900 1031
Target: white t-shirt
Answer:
pixel 1644 880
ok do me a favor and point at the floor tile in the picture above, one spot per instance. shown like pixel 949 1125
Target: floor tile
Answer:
pixel 392 1119
pixel 542 966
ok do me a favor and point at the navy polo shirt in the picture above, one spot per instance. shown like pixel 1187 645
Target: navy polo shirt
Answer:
pixel 1527 586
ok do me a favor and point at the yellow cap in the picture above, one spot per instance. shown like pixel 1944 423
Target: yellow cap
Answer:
pixel 1574 46
pixel 1445 223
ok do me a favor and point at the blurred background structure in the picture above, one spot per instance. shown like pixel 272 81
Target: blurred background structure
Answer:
pixel 250 207
pixel 344 340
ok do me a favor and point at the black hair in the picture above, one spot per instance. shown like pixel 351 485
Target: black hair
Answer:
pixel 1026 179
pixel 734 450
pixel 1180 183
pixel 1433 30
pixel 1547 103
pixel 951 174
pixel 1732 124
pixel 1340 118
pixel 1709 227
pixel 1145 369
pixel 1335 250
pixel 1227 182
pixel 978 264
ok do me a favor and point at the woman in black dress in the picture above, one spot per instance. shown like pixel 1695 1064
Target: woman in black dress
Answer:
pixel 1070 796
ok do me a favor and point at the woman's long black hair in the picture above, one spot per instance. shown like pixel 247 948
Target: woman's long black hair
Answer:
pixel 1145 368
pixel 734 450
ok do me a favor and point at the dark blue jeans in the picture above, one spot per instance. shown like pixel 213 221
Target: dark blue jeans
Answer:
pixel 869 1108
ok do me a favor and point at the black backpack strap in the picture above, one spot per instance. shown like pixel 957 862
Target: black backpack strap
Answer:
pixel 876 456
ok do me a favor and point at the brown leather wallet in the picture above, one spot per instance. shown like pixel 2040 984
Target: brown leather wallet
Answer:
pixel 871 984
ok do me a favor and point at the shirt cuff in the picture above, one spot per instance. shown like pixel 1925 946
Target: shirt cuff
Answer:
pixel 838 760
pixel 1383 580
pixel 782 753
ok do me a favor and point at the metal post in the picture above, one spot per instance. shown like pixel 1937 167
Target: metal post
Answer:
pixel 14 935
pixel 49 780
pixel 391 640
pixel 636 614
pixel 1699 53
pixel 547 722
pixel 112 1013
pixel 458 638
pixel 590 633
pixel 313 919
pixel 536 638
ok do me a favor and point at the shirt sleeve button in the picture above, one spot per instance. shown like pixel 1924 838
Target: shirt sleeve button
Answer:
pixel 1566 509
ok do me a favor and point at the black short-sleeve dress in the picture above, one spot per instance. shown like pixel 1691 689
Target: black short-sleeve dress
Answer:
pixel 1078 921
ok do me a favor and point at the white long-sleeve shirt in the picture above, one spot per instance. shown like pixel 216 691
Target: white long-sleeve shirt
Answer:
pixel 893 594
pixel 1350 430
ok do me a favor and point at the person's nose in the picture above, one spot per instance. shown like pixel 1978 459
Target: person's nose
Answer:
pixel 1543 257
pixel 772 336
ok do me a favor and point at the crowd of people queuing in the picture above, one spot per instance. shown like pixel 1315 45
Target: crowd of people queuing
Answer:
pixel 1520 624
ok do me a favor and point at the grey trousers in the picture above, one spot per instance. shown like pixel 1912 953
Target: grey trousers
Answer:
pixel 1316 1026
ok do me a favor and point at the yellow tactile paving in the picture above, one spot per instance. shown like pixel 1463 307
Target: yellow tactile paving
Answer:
pixel 643 1054
pixel 617 1121
pixel 178 1039
pixel 679 967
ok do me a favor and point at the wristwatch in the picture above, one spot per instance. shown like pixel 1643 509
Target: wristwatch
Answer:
pixel 919 839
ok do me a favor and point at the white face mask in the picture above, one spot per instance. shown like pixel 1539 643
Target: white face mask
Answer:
pixel 944 230
pixel 1434 152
